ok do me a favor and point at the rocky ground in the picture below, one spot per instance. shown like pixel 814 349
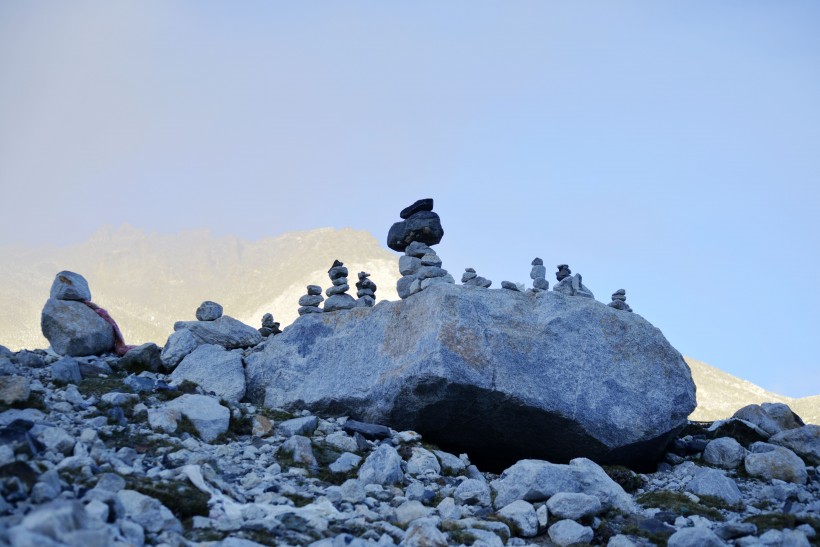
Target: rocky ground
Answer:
pixel 95 452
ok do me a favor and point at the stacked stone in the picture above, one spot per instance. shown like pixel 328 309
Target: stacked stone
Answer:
pixel 337 297
pixel 209 311
pixel 512 286
pixel 570 285
pixel 420 266
pixel 309 303
pixel 269 326
pixel 365 291
pixel 471 278
pixel 538 274
pixel 619 301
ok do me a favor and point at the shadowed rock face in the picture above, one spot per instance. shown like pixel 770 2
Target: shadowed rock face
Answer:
pixel 497 374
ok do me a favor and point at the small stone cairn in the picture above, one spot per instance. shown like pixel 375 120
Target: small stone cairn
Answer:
pixel 420 266
pixel 570 285
pixel 309 303
pixel 337 297
pixel 269 326
pixel 538 274
pixel 619 301
pixel 471 278
pixel 365 291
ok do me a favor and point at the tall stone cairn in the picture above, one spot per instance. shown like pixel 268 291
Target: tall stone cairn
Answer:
pixel 538 274
pixel 420 266
pixel 337 297
pixel 309 303
pixel 365 291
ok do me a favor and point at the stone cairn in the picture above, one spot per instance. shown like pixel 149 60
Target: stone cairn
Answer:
pixel 420 266
pixel 619 301
pixel 474 280
pixel 365 291
pixel 538 274
pixel 570 285
pixel 337 297
pixel 309 303
pixel 269 326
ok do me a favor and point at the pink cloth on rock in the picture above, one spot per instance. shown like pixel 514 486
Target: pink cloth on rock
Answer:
pixel 120 347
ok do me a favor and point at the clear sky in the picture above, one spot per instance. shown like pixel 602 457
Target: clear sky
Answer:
pixel 671 149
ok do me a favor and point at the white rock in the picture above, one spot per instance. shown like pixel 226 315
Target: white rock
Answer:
pixel 712 482
pixel 424 533
pixel 409 511
pixel 57 440
pixel 449 462
pixel 382 466
pixel 472 492
pixel 695 537
pixel 117 398
pixel 448 510
pixel 342 441
pixel 724 452
pixel 305 425
pixel 522 518
pixel 345 463
pixel 620 541
pixel 208 417
pixel 300 449
pixel 423 462
pixel 573 505
pixel 56 519
pixel 164 419
pixel 770 461
pixel 179 344
pixel 148 512
pixel 566 532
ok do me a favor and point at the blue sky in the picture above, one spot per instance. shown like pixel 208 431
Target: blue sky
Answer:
pixel 669 149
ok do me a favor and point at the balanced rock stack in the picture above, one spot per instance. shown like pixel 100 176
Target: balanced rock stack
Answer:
pixel 71 326
pixel 619 301
pixel 569 284
pixel 472 279
pixel 269 326
pixel 420 266
pixel 365 291
pixel 337 297
pixel 309 303
pixel 538 274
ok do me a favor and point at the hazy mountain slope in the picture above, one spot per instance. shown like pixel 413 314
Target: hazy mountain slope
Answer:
pixel 148 281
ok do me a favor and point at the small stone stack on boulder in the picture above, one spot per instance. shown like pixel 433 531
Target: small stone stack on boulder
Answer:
pixel 366 291
pixel 569 284
pixel 420 266
pixel 269 326
pixel 71 327
pixel 337 297
pixel 538 274
pixel 208 311
pixel 472 279
pixel 309 303
pixel 619 301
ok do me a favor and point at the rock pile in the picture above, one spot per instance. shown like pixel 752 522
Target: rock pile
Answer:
pixel 619 301
pixel 337 297
pixel 570 285
pixel 309 303
pixel 269 326
pixel 538 274
pixel 420 266
pixel 472 279
pixel 365 291
pixel 71 326
pixel 129 461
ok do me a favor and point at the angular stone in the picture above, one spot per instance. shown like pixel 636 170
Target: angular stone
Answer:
pixel 541 284
pixel 425 204
pixel 208 311
pixel 521 517
pixel 424 226
pixel 208 417
pixel 566 532
pixel 770 461
pixel 300 449
pixel 382 466
pixel 14 389
pixel 70 286
pixel 179 344
pixel 450 463
pixel 695 537
pixel 510 286
pixel 74 329
pixel 756 415
pixel 724 452
pixel 407 286
pixel 473 492
pixel 215 370
pixel 148 512
pixel 467 276
pixel 804 441
pixel 409 511
pixel 573 505
pixel 57 519
pixel 423 462
pixel 311 300
pixel 304 310
pixel 712 482
pixel 345 463
pixel 164 419
pixel 431 259
pixel 483 373
pixel 374 432
pixel 446 278
pixel 783 415
pixel 144 357
pixel 339 302
pixel 538 272
pixel 225 331
pixel 305 425
pixel 424 533
pixel 428 272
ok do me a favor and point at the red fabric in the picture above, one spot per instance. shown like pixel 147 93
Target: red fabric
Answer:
pixel 120 347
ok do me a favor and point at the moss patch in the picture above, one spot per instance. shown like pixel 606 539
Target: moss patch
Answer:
pixel 182 498
pixel 35 400
pixel 679 504
pixel 98 387
pixel 626 478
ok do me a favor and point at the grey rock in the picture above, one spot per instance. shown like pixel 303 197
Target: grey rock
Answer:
pixel 446 278
pixel 695 537
pixel 374 432
pixel 95 368
pixel 337 289
pixel 536 480
pixel 620 540
pixel 770 461
pixel 573 505
pixel 724 452
pixel 148 512
pixel 573 286
pixel 208 311
pixel 450 463
pixel 804 441
pixel 14 389
pixel 468 275
pixel 215 370
pixel 418 249
pixel 314 290
pixel 431 259
pixel 345 463
pixel 225 331
pixel 143 357
pixel 70 286
pixel 305 425
pixel 462 366
pixel 473 492
pixel 756 415
pixel 732 530
pixel 300 450
pixel 424 226
pixel 117 398
pixel 541 284
pixel 409 511
pixel 563 272
pixel 311 300
pixel 382 466
pixel 712 482
pixel 521 517
pixel 510 285
pixel 537 262
pixel 424 533
pixel 337 270
pixel 179 344
pixel 110 482
pixel 5 352
pixel 56 519
pixel 566 532
pixel 208 417
pixel 425 204
pixel 538 272
pixel 407 286
pixel 339 302
pixel 269 323
pixel 74 329
pixel 423 462
pixel 783 415
pixel 56 439
pixel 304 310
pixel 408 265
pixel 29 359
pixel 427 272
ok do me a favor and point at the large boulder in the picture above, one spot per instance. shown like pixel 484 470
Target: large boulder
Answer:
pixel 225 331
pixel 214 369
pixel 501 375
pixel 70 286
pixel 72 328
